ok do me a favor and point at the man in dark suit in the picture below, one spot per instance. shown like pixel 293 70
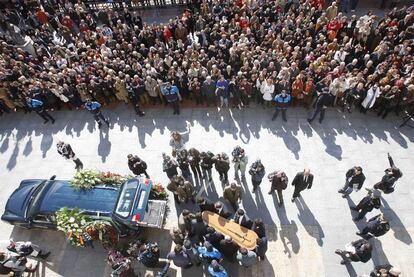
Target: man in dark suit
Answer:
pixel 354 179
pixel 302 181
pixel 242 219
pixel 221 210
pixel 367 204
pixel 376 226
pixel 137 166
pixel 205 204
pixel 361 252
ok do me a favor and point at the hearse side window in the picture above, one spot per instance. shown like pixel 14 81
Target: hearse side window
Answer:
pixel 41 218
pixel 126 199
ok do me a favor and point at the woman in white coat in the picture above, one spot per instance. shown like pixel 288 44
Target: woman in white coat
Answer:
pixel 267 88
pixel 372 94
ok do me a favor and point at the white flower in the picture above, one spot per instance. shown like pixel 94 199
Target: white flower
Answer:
pixel 83 222
pixel 71 219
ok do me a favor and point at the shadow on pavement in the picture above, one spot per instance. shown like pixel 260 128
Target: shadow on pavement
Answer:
pixel 400 232
pixel 309 221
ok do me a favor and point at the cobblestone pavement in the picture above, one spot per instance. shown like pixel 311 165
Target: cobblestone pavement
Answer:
pixel 303 235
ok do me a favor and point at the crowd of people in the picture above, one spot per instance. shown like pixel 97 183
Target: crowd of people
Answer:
pixel 275 53
pixel 197 242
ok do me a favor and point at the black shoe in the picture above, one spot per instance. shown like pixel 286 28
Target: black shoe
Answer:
pixel 53 121
pixel 141 114
pixel 293 200
pixel 44 256
pixel 359 234
pixel 99 125
pixel 309 121
pixel 344 195
pixel 356 219
pixel 46 121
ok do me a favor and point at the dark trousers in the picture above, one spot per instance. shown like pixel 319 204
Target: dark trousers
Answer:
pixel 276 113
pixel 78 163
pixel 296 193
pixel 354 4
pixel 256 184
pixel 196 170
pixel 223 175
pixel 146 174
pixel 176 107
pixel 45 115
pixel 318 110
pixel 279 195
pixel 211 100
pixel 98 116
pixel 207 173
pixel 384 110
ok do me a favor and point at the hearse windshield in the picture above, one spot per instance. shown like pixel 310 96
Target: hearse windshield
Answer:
pixel 126 199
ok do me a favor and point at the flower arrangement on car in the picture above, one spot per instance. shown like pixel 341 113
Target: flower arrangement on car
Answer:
pixel 88 178
pixel 81 230
pixel 72 222
pixel 158 192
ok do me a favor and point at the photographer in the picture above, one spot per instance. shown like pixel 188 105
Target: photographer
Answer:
pixel 182 159
pixel 257 170
pixel 240 162
pixel 194 160
pixel 137 166
pixel 222 165
pixel 207 164
pixel 149 254
pixel 172 95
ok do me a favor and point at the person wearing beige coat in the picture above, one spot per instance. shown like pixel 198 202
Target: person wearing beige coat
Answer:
pixel 233 193
pixel 121 91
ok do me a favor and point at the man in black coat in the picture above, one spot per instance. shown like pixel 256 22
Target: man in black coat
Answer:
pixel 360 251
pixel 261 248
pixel 137 166
pixel 198 227
pixel 322 102
pixel 207 164
pixel 354 179
pixel 302 181
pixel 367 204
pixel 65 150
pixel 228 248
pixel 242 219
pixel 221 210
pixel 392 174
pixel 213 237
pixel 377 226
pixel 205 204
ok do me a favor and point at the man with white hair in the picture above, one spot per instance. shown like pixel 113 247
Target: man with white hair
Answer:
pixel 302 180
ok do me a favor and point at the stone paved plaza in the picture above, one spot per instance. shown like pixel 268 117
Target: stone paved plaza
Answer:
pixel 303 235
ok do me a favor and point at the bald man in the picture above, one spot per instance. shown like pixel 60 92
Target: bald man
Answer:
pixel 302 181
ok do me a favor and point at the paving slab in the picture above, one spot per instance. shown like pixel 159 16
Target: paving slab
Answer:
pixel 303 235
